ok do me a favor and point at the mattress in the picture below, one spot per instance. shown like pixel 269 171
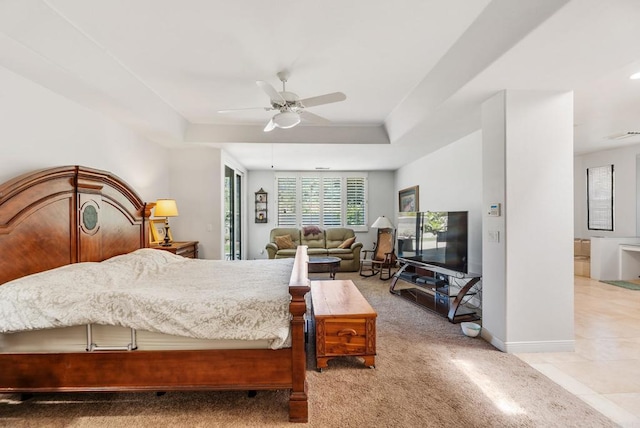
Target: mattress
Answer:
pixel 74 339
pixel 156 291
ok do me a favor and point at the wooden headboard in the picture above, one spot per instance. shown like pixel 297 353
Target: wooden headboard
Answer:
pixel 57 216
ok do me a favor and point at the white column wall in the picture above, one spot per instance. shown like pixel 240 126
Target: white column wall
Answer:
pixel 494 268
pixel 197 176
pixel 537 168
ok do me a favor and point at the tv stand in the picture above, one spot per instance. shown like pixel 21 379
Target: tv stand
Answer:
pixel 453 294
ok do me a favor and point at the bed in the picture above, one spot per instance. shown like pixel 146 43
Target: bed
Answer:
pixel 63 216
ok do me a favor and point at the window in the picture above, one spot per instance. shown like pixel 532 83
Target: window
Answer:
pixel 356 201
pixel 327 200
pixel 287 196
pixel 600 198
pixel 332 201
pixel 310 201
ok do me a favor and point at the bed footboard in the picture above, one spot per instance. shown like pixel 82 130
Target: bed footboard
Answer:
pixel 298 288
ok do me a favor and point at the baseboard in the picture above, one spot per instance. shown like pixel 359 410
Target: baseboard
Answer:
pixel 541 346
pixel 529 347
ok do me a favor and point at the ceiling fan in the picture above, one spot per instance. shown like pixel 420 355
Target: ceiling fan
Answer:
pixel 291 109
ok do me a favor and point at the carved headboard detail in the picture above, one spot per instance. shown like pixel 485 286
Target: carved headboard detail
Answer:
pixel 57 216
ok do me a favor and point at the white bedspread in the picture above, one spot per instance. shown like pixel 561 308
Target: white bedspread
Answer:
pixel 157 291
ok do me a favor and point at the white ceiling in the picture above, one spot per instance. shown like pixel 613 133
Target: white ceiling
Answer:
pixel 414 71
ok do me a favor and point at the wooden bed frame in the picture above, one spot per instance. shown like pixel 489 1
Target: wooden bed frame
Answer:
pixel 54 217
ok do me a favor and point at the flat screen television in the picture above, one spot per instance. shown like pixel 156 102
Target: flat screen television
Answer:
pixel 438 238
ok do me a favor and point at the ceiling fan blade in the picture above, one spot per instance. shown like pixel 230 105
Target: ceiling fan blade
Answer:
pixel 233 110
pixel 270 126
pixel 333 97
pixel 274 95
pixel 312 117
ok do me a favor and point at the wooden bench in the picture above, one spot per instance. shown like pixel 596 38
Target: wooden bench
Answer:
pixel 345 323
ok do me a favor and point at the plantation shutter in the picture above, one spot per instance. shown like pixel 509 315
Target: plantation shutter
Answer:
pixel 332 202
pixel 287 201
pixel 356 191
pixel 310 200
pixel 325 200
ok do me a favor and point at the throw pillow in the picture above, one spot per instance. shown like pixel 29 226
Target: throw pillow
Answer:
pixel 347 243
pixel 284 242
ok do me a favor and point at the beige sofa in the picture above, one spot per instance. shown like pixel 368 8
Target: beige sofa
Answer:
pixel 325 243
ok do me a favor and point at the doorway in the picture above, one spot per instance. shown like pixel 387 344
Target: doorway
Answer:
pixel 232 213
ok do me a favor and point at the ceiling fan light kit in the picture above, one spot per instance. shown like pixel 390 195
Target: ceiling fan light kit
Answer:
pixel 286 119
pixel 290 108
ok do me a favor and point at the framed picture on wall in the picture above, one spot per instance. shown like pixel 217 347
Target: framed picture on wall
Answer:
pixel 261 206
pixel 408 200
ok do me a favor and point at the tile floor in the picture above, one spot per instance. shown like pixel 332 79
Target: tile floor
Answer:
pixel 604 369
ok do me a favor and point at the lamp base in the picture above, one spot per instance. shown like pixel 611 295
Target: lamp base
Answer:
pixel 167 241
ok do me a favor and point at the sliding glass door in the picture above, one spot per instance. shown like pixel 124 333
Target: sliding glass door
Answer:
pixel 232 214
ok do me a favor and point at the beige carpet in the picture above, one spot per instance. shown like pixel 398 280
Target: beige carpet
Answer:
pixel 428 374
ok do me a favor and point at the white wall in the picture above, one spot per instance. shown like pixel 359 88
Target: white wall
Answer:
pixel 197 184
pixel 40 129
pixel 624 162
pixel 259 232
pixel 450 179
pixel 381 202
pixel 494 294
pixel 537 167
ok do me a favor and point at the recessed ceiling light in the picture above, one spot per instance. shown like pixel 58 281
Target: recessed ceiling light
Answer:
pixel 635 76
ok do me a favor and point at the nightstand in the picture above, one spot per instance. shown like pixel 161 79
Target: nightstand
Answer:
pixel 185 249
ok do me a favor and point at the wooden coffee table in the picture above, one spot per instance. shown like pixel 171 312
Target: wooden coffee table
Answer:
pixel 324 264
pixel 345 323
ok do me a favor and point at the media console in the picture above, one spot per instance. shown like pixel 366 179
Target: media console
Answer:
pixel 453 294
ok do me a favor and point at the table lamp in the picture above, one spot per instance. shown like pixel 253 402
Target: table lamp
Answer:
pixel 382 223
pixel 166 208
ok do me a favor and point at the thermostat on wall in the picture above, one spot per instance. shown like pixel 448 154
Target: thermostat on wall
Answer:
pixel 494 210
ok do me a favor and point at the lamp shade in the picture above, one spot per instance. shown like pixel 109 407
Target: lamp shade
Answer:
pixel 382 223
pixel 166 208
pixel 286 119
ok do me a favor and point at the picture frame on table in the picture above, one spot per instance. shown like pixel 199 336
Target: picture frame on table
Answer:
pixel 156 227
pixel 409 199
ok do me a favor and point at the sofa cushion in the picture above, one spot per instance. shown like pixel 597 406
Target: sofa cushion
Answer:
pixel 337 235
pixel 343 253
pixel 313 240
pixel 316 251
pixel 311 230
pixel 284 242
pixel 281 231
pixel 347 242
pixel 286 254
